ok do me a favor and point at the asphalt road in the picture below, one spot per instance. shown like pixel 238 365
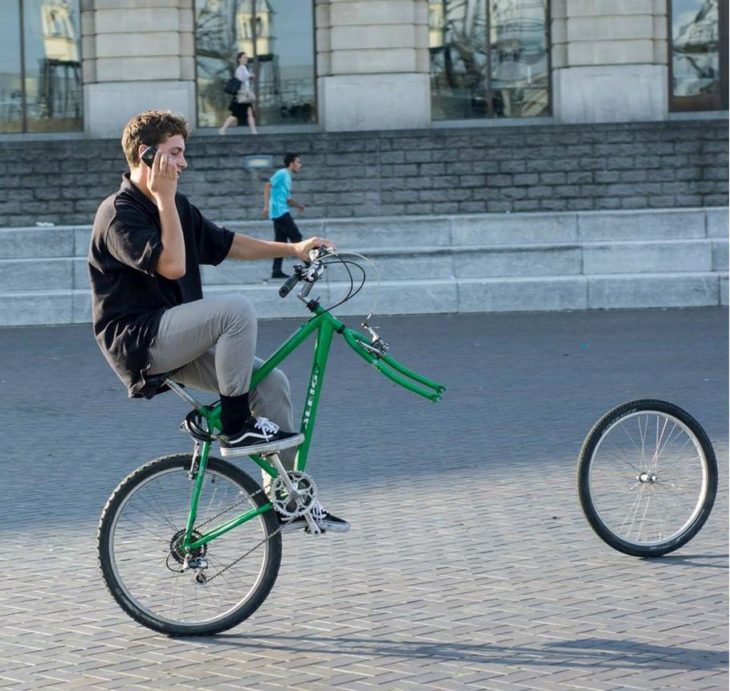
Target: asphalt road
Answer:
pixel 469 565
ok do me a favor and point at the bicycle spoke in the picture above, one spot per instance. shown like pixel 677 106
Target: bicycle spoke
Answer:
pixel 148 564
pixel 646 478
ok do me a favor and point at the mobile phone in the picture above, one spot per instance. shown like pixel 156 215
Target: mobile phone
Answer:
pixel 148 155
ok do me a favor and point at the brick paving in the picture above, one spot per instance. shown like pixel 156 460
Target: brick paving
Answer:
pixel 469 566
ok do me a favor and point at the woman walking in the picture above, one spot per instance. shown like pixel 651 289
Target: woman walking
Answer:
pixel 241 106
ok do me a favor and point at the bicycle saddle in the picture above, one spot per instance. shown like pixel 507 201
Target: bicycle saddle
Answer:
pixel 155 384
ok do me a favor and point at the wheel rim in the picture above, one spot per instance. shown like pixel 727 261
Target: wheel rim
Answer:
pixel 648 478
pixel 149 575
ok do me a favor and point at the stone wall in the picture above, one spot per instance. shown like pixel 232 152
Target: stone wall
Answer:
pixel 438 171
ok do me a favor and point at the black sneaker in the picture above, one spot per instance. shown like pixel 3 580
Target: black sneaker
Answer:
pixel 279 274
pixel 258 435
pixel 326 521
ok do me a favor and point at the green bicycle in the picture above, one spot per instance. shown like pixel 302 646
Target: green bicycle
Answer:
pixel 190 544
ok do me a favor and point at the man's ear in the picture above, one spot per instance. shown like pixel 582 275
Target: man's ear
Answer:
pixel 140 149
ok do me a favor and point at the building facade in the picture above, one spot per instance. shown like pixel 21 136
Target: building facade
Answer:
pixel 83 67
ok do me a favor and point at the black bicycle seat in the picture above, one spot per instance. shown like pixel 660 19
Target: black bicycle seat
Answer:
pixel 155 384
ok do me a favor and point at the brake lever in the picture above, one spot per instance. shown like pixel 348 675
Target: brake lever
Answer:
pixel 321 252
pixel 311 273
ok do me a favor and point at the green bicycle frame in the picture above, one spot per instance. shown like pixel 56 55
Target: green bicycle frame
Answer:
pixel 326 325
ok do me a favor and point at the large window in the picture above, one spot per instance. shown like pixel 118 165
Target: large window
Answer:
pixel 278 37
pixel 698 54
pixel 40 73
pixel 489 58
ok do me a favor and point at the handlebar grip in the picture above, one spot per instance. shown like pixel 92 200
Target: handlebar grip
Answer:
pixel 288 285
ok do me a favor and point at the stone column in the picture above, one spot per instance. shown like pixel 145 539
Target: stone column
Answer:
pixel 373 64
pixel 137 55
pixel 609 60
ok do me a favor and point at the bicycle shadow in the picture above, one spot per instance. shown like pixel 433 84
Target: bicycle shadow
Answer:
pixel 694 560
pixel 593 653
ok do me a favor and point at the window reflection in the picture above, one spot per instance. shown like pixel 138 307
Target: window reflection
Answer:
pixel 52 65
pixel 488 59
pixel 278 37
pixel 40 91
pixel 695 52
pixel 11 94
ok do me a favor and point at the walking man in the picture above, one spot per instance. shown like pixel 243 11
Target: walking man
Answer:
pixel 277 200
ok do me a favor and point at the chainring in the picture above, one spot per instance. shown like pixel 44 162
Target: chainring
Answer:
pixel 285 505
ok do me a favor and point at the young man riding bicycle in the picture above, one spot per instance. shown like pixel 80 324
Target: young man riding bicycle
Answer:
pixel 149 314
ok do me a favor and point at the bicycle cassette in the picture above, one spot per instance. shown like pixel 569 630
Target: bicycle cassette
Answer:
pixel 294 507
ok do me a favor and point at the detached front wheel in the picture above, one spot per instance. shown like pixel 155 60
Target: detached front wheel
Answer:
pixel 647 477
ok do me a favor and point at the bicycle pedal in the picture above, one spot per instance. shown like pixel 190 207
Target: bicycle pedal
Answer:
pixel 312 527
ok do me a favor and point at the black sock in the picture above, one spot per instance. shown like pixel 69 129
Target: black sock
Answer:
pixel 234 412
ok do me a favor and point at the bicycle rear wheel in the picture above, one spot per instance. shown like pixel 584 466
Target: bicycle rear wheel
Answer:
pixel 647 477
pixel 141 559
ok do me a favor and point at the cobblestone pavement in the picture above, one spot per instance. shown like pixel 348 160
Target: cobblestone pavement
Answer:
pixel 469 566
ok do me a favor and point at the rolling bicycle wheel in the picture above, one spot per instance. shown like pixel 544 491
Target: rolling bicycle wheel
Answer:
pixel 647 477
pixel 144 566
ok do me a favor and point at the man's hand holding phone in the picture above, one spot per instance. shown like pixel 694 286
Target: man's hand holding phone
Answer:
pixel 162 178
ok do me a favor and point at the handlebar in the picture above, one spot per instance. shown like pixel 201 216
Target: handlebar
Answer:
pixel 288 285
pixel 370 346
pixel 309 273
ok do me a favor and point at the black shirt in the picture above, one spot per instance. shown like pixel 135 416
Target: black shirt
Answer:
pixel 128 297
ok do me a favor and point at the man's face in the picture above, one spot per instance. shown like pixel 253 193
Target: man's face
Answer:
pixel 296 165
pixel 173 149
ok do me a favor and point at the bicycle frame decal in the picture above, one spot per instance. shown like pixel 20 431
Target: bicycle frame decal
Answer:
pixel 310 396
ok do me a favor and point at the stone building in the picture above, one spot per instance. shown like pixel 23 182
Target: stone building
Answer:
pixel 490 154
pixel 343 65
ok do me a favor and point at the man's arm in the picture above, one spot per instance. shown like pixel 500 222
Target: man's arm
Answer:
pixel 171 262
pixel 246 247
pixel 163 186
pixel 294 202
pixel 267 195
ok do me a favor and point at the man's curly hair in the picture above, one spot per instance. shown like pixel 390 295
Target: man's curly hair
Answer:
pixel 151 128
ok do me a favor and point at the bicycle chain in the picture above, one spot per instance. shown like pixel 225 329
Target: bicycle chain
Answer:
pixel 228 508
pixel 243 556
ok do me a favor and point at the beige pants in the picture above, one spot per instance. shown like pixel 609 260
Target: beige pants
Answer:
pixel 210 344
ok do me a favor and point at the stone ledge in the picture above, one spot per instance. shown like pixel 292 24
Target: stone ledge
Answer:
pixel 478 230
pixel 504 294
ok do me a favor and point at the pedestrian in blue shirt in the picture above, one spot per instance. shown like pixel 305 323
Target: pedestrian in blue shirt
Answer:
pixel 277 200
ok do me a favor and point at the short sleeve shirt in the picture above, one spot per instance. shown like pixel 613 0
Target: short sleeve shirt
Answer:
pixel 128 296
pixel 280 192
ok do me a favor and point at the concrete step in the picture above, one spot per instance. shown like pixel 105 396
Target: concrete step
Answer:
pixel 414 263
pixel 494 262
pixel 23 275
pixel 436 231
pixel 434 296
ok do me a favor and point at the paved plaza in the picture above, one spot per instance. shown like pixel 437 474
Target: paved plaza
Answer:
pixel 469 564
